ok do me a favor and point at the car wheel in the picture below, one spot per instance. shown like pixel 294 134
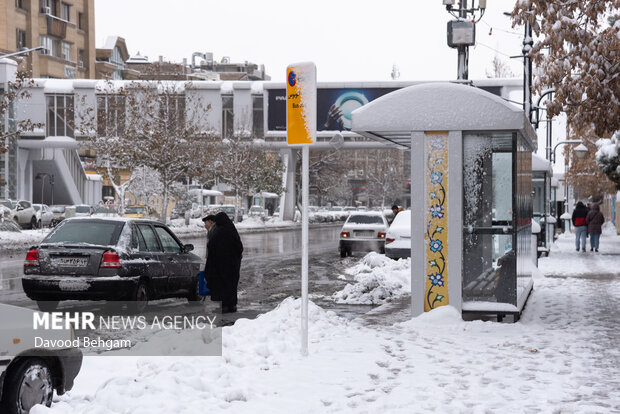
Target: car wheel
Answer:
pixel 140 299
pixel 194 298
pixel 343 253
pixel 349 252
pixel 47 305
pixel 27 384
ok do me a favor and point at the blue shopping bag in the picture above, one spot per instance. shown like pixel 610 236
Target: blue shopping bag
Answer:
pixel 202 285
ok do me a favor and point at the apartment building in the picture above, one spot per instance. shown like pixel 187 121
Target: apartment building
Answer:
pixel 64 28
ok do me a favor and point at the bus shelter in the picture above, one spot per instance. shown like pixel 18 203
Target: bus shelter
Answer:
pixel 471 180
pixel 542 174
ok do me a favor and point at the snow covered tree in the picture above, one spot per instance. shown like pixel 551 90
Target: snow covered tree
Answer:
pixel 145 124
pixel 608 157
pixel 577 51
pixel 385 175
pixel 499 69
pixel 167 137
pixel 103 126
pixel 145 184
pixel 10 127
pixel 243 165
pixel 327 170
pixel 588 181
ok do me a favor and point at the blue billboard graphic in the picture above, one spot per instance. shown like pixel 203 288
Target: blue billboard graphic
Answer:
pixel 334 107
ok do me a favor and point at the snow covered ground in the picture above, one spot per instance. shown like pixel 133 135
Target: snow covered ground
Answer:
pixel 562 357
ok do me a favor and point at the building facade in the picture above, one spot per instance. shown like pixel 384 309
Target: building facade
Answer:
pixel 64 29
pixel 252 108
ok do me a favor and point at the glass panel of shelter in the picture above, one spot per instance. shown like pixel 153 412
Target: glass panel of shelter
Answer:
pixel 489 259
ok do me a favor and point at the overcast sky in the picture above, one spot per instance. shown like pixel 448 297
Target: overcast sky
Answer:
pixel 348 40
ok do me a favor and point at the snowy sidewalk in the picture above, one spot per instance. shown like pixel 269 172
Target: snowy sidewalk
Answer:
pixel 561 357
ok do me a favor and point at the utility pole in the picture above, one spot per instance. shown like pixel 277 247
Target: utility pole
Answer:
pixel 462 31
pixel 463 50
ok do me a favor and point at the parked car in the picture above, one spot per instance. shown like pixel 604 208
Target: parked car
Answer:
pixel 257 211
pixel 138 211
pixel 229 209
pixel 105 211
pixel 79 210
pixel 110 259
pixel 59 214
pixel 22 213
pixel 44 214
pixel 363 231
pixel 398 237
pixel 29 375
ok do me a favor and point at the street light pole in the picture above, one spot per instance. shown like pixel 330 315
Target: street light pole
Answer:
pixel 463 50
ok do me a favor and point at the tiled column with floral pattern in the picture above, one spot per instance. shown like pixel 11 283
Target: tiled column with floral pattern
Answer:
pixel 436 236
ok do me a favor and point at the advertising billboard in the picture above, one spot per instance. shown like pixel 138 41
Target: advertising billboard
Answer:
pixel 334 107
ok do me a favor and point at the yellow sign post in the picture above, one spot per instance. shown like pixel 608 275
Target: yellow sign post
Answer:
pixel 301 130
pixel 301 103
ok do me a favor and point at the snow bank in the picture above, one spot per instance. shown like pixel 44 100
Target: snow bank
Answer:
pixel 609 229
pixel 252 349
pixel 378 278
pixel 10 240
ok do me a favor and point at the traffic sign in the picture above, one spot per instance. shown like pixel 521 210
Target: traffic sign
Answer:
pixel 301 103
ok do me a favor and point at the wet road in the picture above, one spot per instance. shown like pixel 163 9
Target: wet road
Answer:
pixel 270 272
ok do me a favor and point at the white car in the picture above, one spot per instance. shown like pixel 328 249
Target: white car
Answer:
pixel 398 237
pixel 363 231
pixel 59 213
pixel 29 373
pixel 256 211
pixel 22 212
pixel 45 215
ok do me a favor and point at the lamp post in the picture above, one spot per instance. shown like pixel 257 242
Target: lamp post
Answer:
pixel 580 151
pixel 41 176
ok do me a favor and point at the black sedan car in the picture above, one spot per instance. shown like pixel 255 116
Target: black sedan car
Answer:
pixel 113 259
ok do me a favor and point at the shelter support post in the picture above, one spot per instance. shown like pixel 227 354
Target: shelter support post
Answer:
pixel 290 196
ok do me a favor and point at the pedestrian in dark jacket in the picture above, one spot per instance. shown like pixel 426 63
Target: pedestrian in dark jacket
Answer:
pixel 595 220
pixel 224 262
pixel 581 228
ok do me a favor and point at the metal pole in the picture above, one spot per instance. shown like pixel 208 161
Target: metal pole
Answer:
pixel 305 181
pixel 463 51
pixel 527 71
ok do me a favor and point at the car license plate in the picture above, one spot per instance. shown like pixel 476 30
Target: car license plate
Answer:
pixel 364 233
pixel 70 261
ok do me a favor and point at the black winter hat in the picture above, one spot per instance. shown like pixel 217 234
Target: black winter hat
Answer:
pixel 210 217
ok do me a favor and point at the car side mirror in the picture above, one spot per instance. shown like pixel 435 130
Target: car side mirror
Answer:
pixel 19 207
pixel 188 248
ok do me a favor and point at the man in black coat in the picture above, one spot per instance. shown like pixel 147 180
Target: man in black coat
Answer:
pixel 224 262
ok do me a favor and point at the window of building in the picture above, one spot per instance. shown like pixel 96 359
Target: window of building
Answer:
pixel 21 4
pixel 172 109
pixel 257 116
pixel 227 116
pixel 49 7
pixel 21 39
pixel 110 115
pixel 80 21
pixel 51 45
pixel 60 115
pixel 66 51
pixel 65 12
pixel 81 57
